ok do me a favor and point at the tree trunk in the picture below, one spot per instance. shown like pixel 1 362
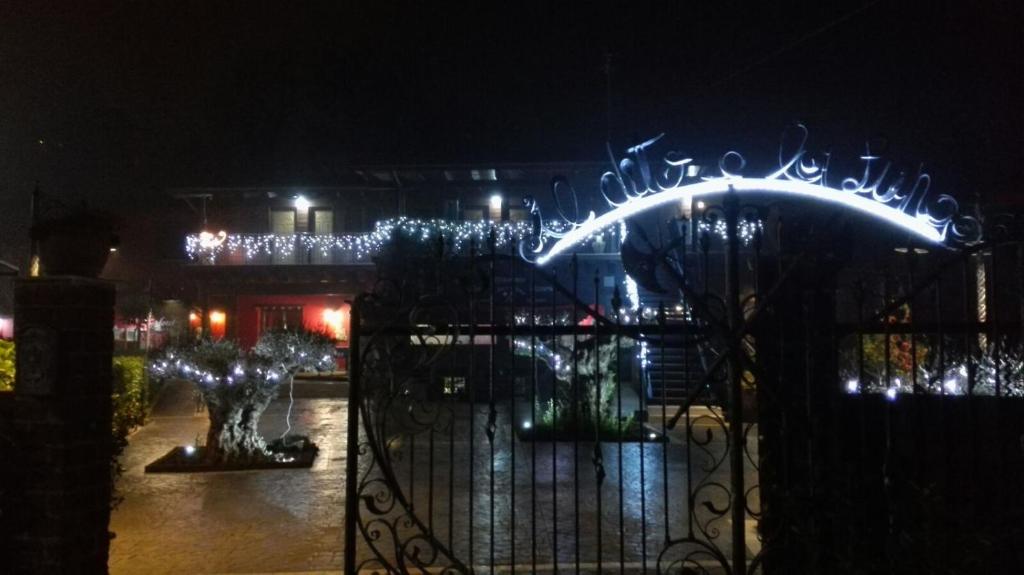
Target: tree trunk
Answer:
pixel 234 435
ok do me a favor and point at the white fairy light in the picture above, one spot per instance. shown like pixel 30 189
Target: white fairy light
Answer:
pixel 360 246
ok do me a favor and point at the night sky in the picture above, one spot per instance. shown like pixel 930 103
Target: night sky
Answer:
pixel 117 102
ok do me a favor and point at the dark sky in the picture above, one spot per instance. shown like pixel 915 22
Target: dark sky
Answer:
pixel 116 102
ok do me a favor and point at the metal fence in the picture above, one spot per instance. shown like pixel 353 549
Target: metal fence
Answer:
pixel 770 406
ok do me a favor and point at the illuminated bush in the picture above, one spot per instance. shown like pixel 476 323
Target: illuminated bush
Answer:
pixel 6 365
pixel 131 395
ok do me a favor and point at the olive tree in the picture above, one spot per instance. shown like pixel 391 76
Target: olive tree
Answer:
pixel 290 352
pixel 237 387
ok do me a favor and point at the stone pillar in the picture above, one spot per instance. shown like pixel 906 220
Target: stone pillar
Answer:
pixel 62 427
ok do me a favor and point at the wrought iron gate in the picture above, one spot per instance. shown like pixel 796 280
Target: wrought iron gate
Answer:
pixel 744 409
pixel 511 418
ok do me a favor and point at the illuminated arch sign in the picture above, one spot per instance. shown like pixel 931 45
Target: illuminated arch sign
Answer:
pixel 635 186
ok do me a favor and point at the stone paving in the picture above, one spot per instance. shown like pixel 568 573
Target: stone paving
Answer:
pixel 540 524
pixel 292 520
pixel 287 520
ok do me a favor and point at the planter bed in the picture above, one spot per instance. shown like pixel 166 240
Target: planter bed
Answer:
pixel 180 459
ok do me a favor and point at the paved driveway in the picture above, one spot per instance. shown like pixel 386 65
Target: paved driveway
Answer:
pixel 292 520
pixel 232 522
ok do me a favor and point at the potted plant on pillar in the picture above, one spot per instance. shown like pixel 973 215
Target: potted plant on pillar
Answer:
pixel 75 243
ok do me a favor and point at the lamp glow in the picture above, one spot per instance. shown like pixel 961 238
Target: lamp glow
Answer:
pixel 217 317
pixel 209 241
pixel 301 203
pixel 190 450
pixel 334 321
pixel 496 201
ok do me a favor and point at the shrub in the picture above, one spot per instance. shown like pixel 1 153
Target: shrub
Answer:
pixel 132 395
pixel 6 365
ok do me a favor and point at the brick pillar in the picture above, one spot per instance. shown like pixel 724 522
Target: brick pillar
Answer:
pixel 62 424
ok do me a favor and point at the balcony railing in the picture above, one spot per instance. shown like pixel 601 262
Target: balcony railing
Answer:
pixel 270 249
pixel 359 248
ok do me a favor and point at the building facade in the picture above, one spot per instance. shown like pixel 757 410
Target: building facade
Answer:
pixel 263 258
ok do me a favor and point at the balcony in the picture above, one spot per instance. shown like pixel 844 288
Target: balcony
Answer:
pixel 303 249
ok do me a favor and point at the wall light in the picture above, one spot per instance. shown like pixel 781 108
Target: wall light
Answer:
pixel 301 203
pixel 334 321
pixel 209 241
pixel 496 201
pixel 217 317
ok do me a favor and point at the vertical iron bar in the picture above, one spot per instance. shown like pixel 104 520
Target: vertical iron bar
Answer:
pixel 511 306
pixel 810 435
pixel 664 420
pixel 992 301
pixel 598 457
pixel 451 433
pixel 965 276
pixel 412 470
pixel 887 333
pixel 617 310
pixel 735 373
pixel 687 447
pixel 643 477
pixel 941 334
pixel 912 262
pixel 533 417
pixel 860 337
pixel 576 423
pixel 491 411
pixel 352 447
pixel 430 481
pixel 438 287
pixel 554 426
pixel 471 391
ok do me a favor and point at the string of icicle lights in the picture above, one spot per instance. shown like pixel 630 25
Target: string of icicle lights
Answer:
pixel 207 247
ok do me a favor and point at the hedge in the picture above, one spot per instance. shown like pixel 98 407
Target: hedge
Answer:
pixel 6 365
pixel 132 395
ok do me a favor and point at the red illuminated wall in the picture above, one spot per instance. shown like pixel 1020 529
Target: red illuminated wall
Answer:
pixel 313 307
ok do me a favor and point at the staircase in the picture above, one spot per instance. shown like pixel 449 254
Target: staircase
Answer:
pixel 673 369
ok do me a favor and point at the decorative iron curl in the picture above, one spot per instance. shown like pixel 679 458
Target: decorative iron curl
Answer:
pixel 396 408
pixel 688 555
pixel 897 196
